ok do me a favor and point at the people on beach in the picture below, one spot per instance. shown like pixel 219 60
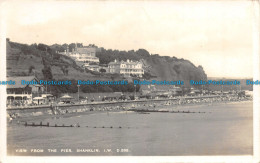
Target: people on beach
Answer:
pixel 148 105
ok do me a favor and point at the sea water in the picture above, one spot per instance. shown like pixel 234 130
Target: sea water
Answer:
pixel 224 129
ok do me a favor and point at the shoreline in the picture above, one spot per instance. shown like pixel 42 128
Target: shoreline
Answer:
pixel 114 102
pixel 39 118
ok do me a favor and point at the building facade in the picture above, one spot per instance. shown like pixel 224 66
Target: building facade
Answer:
pixel 20 93
pixel 93 68
pixel 83 55
pixel 127 68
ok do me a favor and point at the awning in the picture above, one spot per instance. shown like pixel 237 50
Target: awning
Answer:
pixel 38 98
pixel 66 97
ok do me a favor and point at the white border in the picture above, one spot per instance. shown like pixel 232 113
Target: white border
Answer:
pixel 256 88
pixel 150 159
pixel 2 88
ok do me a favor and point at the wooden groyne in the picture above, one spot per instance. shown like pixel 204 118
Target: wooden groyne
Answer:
pixel 186 112
pixel 145 110
pixel 162 111
pixel 33 124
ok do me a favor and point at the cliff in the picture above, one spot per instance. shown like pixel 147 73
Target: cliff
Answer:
pixel 39 59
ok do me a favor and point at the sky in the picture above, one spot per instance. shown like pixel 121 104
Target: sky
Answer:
pixel 217 35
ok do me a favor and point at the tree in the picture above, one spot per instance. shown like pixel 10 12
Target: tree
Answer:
pixel 46 71
pixel 131 87
pixel 177 68
pixel 102 70
pixel 43 47
pixel 66 72
pixel 31 68
pixel 143 53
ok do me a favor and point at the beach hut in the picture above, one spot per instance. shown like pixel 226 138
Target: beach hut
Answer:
pixel 38 100
pixel 48 98
pixel 66 99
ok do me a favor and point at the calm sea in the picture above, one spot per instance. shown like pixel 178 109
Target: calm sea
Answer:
pixel 224 129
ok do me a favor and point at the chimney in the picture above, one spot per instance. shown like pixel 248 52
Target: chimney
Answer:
pixel 115 60
pixel 127 60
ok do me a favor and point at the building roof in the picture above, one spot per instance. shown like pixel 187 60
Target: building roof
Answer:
pixel 125 62
pixel 131 62
pixel 93 66
pixel 18 81
pixel 86 50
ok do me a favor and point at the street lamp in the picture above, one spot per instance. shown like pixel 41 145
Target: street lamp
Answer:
pixel 135 91
pixel 78 91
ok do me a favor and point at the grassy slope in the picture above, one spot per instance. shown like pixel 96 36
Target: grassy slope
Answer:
pixel 164 68
pixel 18 63
pixel 168 69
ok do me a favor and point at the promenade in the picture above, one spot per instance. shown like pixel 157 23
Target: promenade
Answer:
pixel 114 102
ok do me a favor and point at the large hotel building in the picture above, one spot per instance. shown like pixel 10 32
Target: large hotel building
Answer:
pixel 126 68
pixel 83 55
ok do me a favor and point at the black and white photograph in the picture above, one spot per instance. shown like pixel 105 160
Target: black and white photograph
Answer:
pixel 122 78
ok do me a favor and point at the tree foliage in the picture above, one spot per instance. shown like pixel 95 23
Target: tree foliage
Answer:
pixel 106 56
pixel 31 68
pixel 47 74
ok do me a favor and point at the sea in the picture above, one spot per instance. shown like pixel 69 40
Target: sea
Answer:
pixel 215 129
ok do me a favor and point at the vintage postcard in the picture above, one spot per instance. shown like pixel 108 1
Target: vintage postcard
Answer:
pixel 178 80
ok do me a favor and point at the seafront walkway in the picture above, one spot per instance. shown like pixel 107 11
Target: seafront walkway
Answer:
pixel 113 102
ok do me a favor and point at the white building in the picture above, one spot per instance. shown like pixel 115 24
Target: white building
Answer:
pixel 23 93
pixel 127 68
pixel 93 67
pixel 83 55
